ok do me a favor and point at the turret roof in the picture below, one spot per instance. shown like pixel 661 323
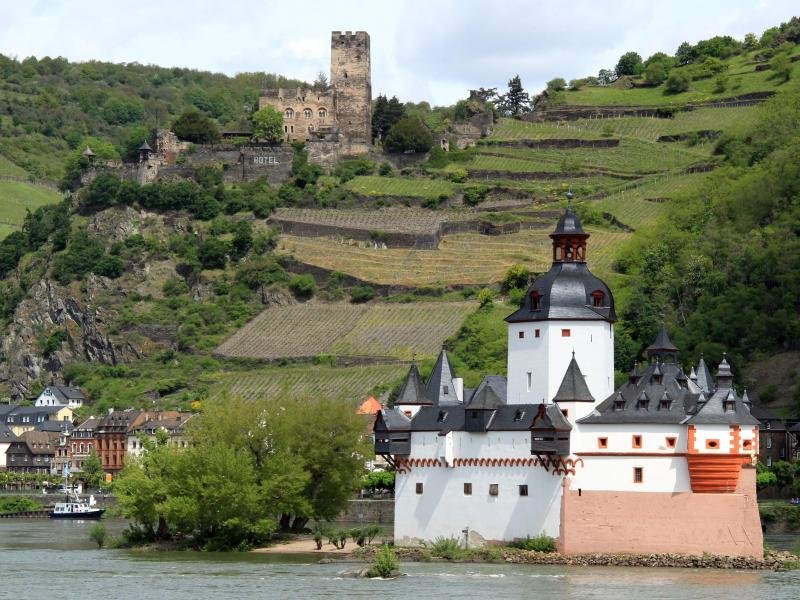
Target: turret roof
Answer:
pixel 573 386
pixel 662 342
pixel 413 389
pixel 441 376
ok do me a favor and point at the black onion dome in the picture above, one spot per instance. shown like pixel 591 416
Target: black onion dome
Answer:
pixel 566 292
pixel 569 224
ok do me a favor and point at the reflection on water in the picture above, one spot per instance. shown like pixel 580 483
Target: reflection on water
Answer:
pixel 42 558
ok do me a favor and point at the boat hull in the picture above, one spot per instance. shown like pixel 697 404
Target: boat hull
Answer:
pixel 92 514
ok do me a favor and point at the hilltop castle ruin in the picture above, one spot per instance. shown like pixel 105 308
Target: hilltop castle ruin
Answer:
pixel 341 113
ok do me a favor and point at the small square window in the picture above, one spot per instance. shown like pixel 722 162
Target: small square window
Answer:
pixel 445 390
pixel 747 444
pixel 712 444
pixel 637 441
pixel 537 333
pixel 638 474
pixel 419 488
pixel 521 335
pixel 467 489
pixel 671 442
pixel 565 333
pixel 602 443
pixel 565 412
pixel 494 489
pixel 523 490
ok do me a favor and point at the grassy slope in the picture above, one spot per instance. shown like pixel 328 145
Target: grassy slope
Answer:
pixel 17 197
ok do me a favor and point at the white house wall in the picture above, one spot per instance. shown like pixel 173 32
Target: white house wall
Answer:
pixel 659 474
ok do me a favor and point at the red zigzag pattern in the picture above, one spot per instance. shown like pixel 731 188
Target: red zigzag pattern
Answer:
pixel 560 466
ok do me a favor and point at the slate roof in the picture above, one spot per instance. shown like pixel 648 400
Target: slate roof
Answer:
pixel 565 293
pixel 392 419
pixel 6 435
pixel 91 424
pixel 413 389
pixel 55 426
pixel 65 393
pixel 573 386
pixel 490 394
pixel 714 411
pixel 704 379
pixel 662 342
pixel 145 146
pixel 569 224
pixel 441 376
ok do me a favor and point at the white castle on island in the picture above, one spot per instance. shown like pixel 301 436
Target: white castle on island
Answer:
pixel 663 464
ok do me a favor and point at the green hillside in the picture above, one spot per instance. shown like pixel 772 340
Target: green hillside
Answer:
pixel 17 197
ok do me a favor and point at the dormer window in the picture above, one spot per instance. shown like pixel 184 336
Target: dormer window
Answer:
pixel 442 416
pixel 598 299
pixel 641 404
pixel 536 299
pixel 619 404
pixel 730 406
pixel 518 415
pixel 664 404
pixel 445 390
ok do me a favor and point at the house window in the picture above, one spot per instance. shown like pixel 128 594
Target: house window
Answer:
pixel 407 413
pixel 536 298
pixel 769 441
pixel 602 443
pixel 637 441
pixel 747 444
pixel 730 406
pixel 638 474
pixel 468 489
pixel 769 461
pixel 671 442
pixel 712 444
pixel 565 412
pixel 523 490
pixel 522 335
pixel 565 333
pixel 537 333
pixel 288 113
pixel 530 378
pixel 308 113
pixel 321 113
pixel 494 489
pixel 445 390
pixel 597 298
pixel 419 488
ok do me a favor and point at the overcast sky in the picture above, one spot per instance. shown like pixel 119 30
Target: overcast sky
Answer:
pixel 421 49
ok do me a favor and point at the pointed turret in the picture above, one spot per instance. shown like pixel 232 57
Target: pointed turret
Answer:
pixel 413 390
pixel 440 388
pixel 573 386
pixel 569 238
pixel 693 375
pixel 704 376
pixel 657 375
pixel 724 374
pixel 662 348
pixel 634 376
pixel 746 400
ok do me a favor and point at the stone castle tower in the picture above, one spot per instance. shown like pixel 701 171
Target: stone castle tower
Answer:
pixel 343 111
pixel 351 80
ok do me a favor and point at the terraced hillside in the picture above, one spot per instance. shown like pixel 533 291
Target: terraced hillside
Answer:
pixel 384 330
pixel 17 197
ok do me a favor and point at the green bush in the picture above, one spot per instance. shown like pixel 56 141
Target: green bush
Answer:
pixel 409 134
pixel 385 170
pixel 485 297
pixel 378 480
pixel 385 562
pixel 53 342
pixel 212 253
pixel 447 547
pixel 361 294
pixel 194 126
pixel 677 82
pixel 17 504
pixel 98 534
pixel 174 286
pixel 475 194
pixel 540 543
pixel 517 276
pixel 303 286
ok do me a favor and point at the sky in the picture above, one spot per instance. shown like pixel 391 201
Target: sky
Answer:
pixel 433 50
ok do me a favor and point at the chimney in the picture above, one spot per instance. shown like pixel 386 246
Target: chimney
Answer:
pixel 458 384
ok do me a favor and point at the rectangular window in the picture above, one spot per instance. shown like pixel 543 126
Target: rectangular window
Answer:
pixel 522 335
pixel 712 444
pixel 445 390
pixel 747 444
pixel 602 443
pixel 419 488
pixel 769 441
pixel 468 489
pixel 565 333
pixel 565 412
pixel 530 377
pixel 494 489
pixel 638 474
pixel 537 333
pixel 523 490
pixel 671 442
pixel 637 441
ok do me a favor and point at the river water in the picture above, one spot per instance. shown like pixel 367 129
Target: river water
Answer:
pixel 54 559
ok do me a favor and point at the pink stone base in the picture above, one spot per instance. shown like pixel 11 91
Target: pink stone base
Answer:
pixel 651 522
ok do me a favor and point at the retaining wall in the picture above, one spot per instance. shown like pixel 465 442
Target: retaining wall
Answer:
pixel 654 522
pixel 369 511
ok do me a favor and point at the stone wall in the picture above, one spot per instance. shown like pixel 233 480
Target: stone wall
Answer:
pixel 239 163
pixel 351 80
pixel 653 522
pixel 304 111
pixel 368 512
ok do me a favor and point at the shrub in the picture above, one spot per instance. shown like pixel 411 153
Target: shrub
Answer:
pixel 557 84
pixel 475 194
pixel 385 170
pixel 540 543
pixel 110 266
pixel 458 175
pixel 720 84
pixel 385 562
pixel 360 294
pixel 608 130
pixel 194 126
pixel 655 73
pixel 447 547
pixel 677 82
pixel 485 298
pixel 409 134
pixel 212 253
pixel 517 276
pixel 347 169
pixel 303 286
pixel 98 534
pixel 174 287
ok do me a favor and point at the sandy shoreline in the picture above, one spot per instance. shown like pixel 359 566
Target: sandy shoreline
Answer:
pixel 306 545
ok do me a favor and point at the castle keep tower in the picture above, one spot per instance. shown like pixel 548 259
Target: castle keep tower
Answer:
pixel 351 80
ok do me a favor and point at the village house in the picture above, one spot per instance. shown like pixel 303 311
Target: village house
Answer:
pixel 111 437
pixel 82 442
pixel 60 395
pixel 29 418
pixel 31 452
pixel 6 437
pixel 172 422
pixel 664 463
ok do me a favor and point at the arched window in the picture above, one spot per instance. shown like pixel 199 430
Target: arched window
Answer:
pixel 308 113
pixel 598 298
pixel 288 113
pixel 536 299
pixel 322 113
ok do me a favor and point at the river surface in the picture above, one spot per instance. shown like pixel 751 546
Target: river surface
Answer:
pixel 54 559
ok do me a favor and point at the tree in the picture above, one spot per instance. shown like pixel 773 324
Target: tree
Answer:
pixel 212 253
pixel 517 277
pixel 655 73
pixel 677 82
pixel 750 41
pixel 685 53
pixel 385 113
pixel 557 85
pixel 409 134
pixel 605 76
pixel 92 470
pixel 629 63
pixel 321 82
pixel 268 125
pixel 194 126
pixel 516 101
pixel 782 67
pixel 303 286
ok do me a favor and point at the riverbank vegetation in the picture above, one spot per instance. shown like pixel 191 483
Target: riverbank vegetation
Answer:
pixel 252 469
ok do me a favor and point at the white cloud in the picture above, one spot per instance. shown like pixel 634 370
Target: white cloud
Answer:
pixel 421 49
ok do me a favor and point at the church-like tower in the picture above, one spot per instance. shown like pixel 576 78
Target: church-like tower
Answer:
pixel 567 310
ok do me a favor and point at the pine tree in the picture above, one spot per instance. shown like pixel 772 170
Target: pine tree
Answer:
pixel 516 101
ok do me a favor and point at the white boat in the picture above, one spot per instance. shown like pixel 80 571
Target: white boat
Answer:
pixel 77 509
